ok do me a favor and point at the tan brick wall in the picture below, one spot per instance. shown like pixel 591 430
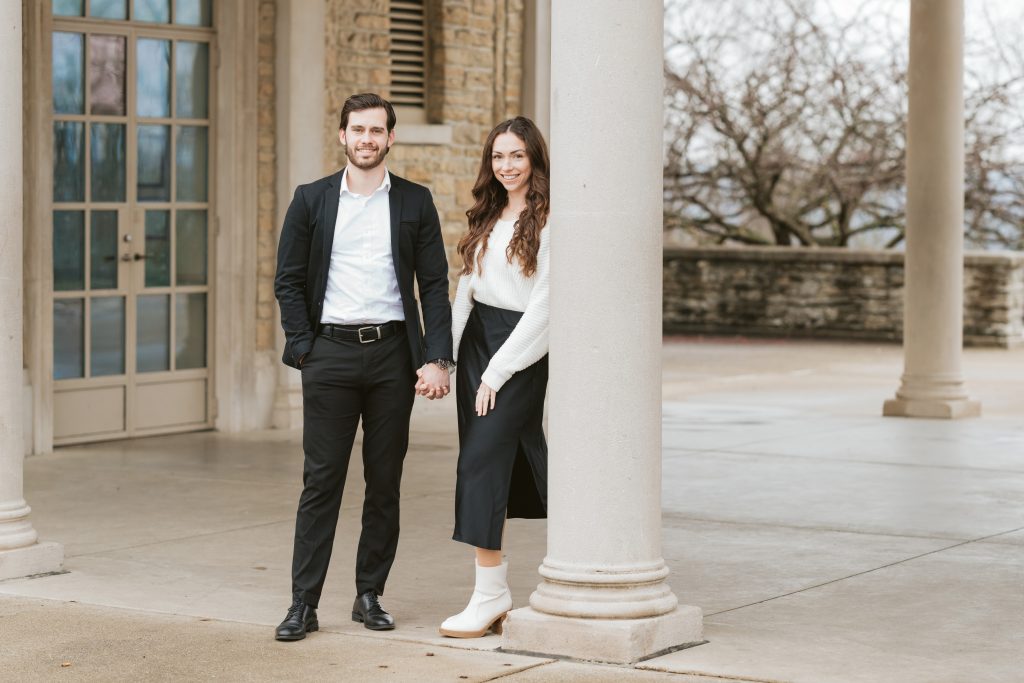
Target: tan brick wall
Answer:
pixel 266 178
pixel 475 82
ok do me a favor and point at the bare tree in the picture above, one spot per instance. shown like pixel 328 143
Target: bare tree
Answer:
pixel 785 125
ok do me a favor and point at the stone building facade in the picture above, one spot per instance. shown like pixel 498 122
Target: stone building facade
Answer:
pixel 475 50
pixel 269 80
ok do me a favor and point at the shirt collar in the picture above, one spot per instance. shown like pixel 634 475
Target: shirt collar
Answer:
pixel 385 184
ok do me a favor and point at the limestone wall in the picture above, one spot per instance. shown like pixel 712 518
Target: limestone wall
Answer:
pixel 474 81
pixel 778 291
pixel 475 54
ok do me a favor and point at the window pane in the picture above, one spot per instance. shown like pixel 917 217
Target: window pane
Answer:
pixel 106 74
pixel 103 250
pixel 191 164
pixel 107 170
pixel 191 72
pixel 106 356
pixel 68 73
pixel 68 346
pixel 154 163
pixel 152 332
pixel 68 250
pixel 190 248
pixel 190 337
pixel 68 161
pixel 153 10
pixel 192 12
pixel 158 248
pixel 153 77
pixel 109 9
pixel 68 8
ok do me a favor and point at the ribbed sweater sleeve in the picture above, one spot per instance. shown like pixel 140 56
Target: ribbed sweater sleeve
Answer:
pixel 529 339
pixel 461 309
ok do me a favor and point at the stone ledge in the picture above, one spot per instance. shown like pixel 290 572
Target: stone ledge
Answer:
pixel 941 410
pixel 38 558
pixel 826 255
pixel 617 641
pixel 423 134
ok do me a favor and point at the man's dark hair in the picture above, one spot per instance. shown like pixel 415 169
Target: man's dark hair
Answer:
pixel 367 100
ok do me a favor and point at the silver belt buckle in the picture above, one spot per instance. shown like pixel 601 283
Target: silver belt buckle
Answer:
pixel 367 341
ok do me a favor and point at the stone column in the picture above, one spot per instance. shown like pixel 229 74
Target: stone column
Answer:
pixel 603 595
pixel 300 145
pixel 20 552
pixel 537 64
pixel 933 381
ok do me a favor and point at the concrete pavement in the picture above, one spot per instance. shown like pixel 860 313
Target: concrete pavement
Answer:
pixel 823 542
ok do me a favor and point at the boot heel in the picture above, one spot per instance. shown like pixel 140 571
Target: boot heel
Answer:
pixel 356 616
pixel 497 626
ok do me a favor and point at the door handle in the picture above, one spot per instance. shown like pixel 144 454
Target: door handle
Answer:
pixel 138 257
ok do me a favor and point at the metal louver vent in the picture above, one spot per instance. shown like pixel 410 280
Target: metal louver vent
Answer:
pixel 408 53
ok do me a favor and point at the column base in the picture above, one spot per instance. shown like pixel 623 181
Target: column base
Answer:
pixel 38 558
pixel 944 409
pixel 616 641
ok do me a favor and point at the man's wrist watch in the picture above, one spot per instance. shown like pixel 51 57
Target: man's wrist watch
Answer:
pixel 443 363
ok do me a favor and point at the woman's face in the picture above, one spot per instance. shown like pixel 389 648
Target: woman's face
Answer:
pixel 510 163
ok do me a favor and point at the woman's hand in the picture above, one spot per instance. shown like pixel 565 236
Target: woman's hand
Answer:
pixel 484 399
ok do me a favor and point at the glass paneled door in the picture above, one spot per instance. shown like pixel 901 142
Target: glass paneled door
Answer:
pixel 131 209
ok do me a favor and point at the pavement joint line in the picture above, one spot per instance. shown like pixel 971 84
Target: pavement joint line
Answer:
pixel 509 674
pixel 175 539
pixel 819 458
pixel 716 449
pixel 823 529
pixel 712 678
pixel 868 571
pixel 291 519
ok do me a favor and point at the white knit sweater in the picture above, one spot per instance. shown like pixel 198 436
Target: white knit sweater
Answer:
pixel 503 285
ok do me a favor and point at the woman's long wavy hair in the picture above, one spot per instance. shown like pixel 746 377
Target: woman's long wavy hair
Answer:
pixel 491 197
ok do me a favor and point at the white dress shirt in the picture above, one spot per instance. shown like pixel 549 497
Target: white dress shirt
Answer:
pixel 361 284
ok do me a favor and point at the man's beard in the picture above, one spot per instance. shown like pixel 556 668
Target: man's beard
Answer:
pixel 366 165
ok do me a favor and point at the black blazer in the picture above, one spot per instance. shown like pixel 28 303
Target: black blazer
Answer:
pixel 304 254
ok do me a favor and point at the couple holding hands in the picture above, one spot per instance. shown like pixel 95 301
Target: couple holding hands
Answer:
pixel 350 247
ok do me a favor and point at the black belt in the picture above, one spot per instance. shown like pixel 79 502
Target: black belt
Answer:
pixel 364 334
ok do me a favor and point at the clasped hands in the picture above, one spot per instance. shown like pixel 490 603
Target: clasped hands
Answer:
pixel 433 381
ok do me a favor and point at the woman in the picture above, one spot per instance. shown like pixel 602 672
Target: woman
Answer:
pixel 500 330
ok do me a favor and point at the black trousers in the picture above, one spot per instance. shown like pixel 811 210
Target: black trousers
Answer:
pixel 343 381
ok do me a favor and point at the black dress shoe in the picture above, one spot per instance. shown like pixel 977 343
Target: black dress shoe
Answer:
pixel 368 611
pixel 301 619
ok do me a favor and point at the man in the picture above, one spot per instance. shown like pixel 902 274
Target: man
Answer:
pixel 349 248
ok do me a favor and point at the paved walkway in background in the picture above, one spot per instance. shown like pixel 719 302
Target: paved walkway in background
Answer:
pixel 823 542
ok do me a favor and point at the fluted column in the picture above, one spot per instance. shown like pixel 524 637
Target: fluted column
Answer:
pixel 603 595
pixel 933 383
pixel 20 552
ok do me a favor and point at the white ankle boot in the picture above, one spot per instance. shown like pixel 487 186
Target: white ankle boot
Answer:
pixel 487 608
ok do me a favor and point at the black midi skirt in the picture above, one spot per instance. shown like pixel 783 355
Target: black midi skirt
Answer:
pixel 503 455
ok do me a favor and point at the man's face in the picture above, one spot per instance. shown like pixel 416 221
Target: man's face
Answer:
pixel 366 138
